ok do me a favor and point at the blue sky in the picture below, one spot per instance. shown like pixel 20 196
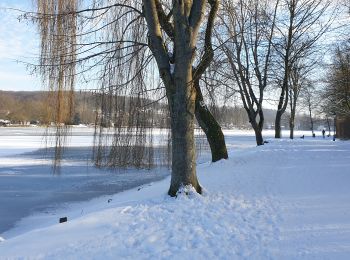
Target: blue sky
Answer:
pixel 18 43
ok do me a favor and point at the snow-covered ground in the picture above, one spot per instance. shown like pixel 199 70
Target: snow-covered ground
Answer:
pixel 284 200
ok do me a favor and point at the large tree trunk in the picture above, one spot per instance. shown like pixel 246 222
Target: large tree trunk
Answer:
pixel 182 109
pixel 210 127
pixel 183 154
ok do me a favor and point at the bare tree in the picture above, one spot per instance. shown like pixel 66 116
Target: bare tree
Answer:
pixel 309 100
pixel 300 25
pixel 298 81
pixel 249 26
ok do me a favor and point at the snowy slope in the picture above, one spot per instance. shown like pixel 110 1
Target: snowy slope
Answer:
pixel 284 200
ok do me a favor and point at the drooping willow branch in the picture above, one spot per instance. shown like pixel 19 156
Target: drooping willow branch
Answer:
pixel 109 43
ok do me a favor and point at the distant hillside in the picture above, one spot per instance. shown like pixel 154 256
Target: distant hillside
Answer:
pixel 31 106
pixel 26 106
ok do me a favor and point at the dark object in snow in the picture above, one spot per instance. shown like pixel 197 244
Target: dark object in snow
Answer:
pixel 313 135
pixel 140 188
pixel 333 137
pixel 109 200
pixel 266 142
pixel 64 219
pixel 302 137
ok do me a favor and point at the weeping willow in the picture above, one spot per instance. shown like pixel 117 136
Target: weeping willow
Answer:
pixel 57 64
pixel 103 46
pixel 104 42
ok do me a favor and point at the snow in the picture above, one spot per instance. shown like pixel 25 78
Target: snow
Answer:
pixel 27 185
pixel 284 200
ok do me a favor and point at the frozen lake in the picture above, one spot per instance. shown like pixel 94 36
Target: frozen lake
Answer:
pixel 27 185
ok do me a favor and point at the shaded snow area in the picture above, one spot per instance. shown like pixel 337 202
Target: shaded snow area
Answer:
pixel 28 185
pixel 284 200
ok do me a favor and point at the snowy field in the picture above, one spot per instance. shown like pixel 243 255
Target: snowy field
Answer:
pixel 284 200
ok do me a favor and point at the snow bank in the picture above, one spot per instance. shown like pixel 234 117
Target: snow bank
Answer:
pixel 149 224
pixel 284 200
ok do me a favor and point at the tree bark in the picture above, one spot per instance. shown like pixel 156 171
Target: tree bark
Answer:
pixel 210 127
pixel 294 91
pixel 182 110
pixel 291 129
pixel 282 106
pixel 258 134
pixel 278 124
pixel 311 120
pixel 258 137
pixel 291 124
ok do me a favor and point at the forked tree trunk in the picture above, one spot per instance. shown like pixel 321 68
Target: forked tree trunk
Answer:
pixel 282 105
pixel 210 127
pixel 257 126
pixel 258 134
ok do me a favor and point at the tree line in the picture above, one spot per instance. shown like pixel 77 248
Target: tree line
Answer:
pixel 23 107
